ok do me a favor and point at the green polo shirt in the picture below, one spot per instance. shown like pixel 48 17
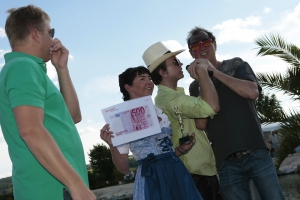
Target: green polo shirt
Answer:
pixel 23 81
pixel 200 159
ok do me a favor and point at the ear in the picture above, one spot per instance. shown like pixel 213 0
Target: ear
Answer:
pixel 192 53
pixel 35 35
pixel 215 45
pixel 128 88
pixel 163 73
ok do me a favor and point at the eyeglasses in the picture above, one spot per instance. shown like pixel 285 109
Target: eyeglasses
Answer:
pixel 204 43
pixel 176 62
pixel 51 32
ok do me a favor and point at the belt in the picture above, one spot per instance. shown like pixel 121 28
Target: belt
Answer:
pixel 239 154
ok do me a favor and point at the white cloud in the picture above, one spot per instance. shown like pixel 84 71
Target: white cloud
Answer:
pixel 52 74
pixel 174 45
pixel 71 57
pixel 2 33
pixel 90 120
pixel 238 30
pixel 106 84
pixel 86 130
pixel 2 52
pixel 288 25
pixel 267 10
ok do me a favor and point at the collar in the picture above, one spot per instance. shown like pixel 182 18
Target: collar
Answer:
pixel 167 89
pixel 12 55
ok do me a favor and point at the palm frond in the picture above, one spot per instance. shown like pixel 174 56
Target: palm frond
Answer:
pixel 289 82
pixel 275 45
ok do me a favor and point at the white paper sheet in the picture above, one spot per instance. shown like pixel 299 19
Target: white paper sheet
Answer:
pixel 132 120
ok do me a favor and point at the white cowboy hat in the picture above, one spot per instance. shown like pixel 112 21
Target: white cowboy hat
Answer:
pixel 156 54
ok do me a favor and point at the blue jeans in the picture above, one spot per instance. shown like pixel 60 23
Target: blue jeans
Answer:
pixel 235 174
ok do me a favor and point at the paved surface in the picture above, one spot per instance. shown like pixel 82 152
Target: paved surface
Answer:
pixel 124 191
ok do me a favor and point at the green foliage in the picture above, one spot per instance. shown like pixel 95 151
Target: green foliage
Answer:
pixel 269 108
pixel 101 162
pixel 275 45
pixel 132 162
pixel 289 83
pixel 6 188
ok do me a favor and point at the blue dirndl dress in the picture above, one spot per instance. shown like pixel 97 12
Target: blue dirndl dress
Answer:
pixel 161 175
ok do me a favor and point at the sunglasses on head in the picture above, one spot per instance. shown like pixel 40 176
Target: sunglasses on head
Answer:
pixel 204 43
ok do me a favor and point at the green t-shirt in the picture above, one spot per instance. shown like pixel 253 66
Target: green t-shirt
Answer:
pixel 23 81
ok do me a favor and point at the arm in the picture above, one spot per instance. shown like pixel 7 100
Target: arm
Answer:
pixel 59 59
pixel 201 123
pixel 198 71
pixel 119 160
pixel 244 88
pixel 194 90
pixel 29 120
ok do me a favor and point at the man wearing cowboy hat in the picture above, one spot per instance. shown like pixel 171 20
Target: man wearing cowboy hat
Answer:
pixel 166 71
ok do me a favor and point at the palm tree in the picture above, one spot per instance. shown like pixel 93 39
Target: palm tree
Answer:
pixel 289 83
pixel 269 108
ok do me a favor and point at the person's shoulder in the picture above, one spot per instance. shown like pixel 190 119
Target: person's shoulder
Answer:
pixel 234 61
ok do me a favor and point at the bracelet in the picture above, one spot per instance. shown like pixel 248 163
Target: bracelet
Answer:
pixel 182 152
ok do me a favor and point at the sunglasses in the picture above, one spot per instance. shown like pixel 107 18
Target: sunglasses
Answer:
pixel 204 43
pixel 51 32
pixel 176 62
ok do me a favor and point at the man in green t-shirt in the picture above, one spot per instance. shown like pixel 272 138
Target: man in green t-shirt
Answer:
pixel 38 120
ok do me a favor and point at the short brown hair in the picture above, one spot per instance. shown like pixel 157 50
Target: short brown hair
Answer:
pixel 155 76
pixel 21 21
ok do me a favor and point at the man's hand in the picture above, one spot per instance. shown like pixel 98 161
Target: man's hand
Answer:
pixel 197 67
pixel 185 148
pixel 59 55
pixel 82 193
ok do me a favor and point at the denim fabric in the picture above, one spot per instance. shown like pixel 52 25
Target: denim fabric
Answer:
pixel 258 166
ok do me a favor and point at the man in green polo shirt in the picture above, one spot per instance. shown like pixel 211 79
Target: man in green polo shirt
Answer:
pixel 166 71
pixel 38 120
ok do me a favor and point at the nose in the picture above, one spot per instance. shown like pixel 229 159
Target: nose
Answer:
pixel 202 47
pixel 180 63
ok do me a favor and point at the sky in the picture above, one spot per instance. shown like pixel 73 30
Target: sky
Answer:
pixel 106 37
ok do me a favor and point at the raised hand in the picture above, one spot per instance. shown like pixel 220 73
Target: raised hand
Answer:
pixel 59 55
pixel 106 134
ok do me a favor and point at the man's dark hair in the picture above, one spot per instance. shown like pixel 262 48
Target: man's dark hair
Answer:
pixel 128 76
pixel 155 76
pixel 196 31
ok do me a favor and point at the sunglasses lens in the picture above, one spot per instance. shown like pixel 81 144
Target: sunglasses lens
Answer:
pixel 195 47
pixel 207 43
pixel 51 32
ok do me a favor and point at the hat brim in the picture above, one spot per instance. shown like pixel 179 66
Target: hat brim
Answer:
pixel 161 59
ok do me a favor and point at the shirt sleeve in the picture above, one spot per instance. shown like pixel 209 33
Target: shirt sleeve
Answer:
pixel 25 85
pixel 190 107
pixel 245 72
pixel 194 89
pixel 124 148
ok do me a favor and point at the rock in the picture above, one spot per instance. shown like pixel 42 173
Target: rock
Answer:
pixel 290 165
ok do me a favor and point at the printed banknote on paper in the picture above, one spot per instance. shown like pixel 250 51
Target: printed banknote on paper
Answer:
pixel 132 120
